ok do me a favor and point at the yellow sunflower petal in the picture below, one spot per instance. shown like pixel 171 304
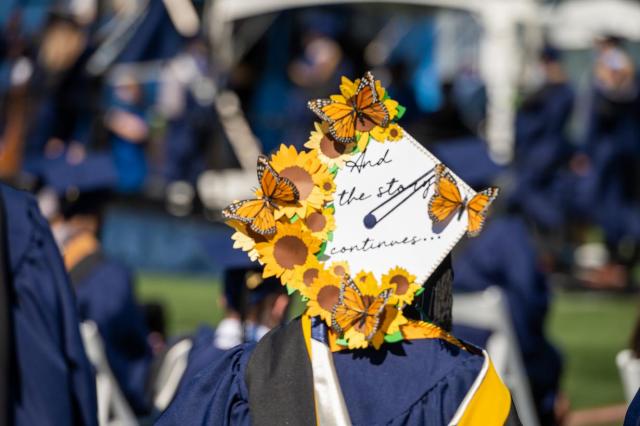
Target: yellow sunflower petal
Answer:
pixel 367 283
pixel 392 108
pixel 347 87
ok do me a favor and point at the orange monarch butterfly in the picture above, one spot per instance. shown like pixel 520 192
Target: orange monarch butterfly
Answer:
pixel 357 310
pixel 259 213
pixel 447 199
pixel 362 111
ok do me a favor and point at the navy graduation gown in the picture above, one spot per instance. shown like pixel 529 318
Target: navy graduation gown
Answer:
pixel 53 382
pixel 541 148
pixel 105 295
pixel 434 377
pixel 503 255
pixel 202 354
pixel 633 412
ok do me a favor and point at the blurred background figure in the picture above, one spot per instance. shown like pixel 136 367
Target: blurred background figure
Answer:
pixel 104 287
pixel 252 306
pixel 504 255
pixel 45 371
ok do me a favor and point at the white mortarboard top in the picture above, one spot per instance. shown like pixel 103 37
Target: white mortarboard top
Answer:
pixel 360 220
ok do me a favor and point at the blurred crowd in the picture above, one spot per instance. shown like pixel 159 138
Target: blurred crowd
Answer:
pixel 117 100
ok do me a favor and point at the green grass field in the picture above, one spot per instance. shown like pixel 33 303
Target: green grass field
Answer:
pixel 590 329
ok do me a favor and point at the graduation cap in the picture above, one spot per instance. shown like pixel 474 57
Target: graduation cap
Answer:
pixel 244 287
pixel 358 222
pixel 82 188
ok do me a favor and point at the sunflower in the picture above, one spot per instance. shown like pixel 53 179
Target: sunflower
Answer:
pixel 330 152
pixel 307 173
pixel 339 268
pixel 246 239
pixel 391 133
pixel 323 296
pixel 367 283
pixel 321 223
pixel 404 285
pixel 305 275
pixel 328 188
pixel 289 248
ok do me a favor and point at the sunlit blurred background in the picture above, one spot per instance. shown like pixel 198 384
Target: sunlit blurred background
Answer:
pixel 161 107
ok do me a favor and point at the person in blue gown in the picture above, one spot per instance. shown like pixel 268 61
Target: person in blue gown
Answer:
pixel 104 287
pixel 279 381
pixel 612 146
pixel 632 417
pixel 50 378
pixel 252 305
pixel 542 146
pixel 504 255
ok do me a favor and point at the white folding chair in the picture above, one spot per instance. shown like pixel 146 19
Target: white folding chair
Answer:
pixel 113 408
pixel 170 373
pixel 629 369
pixel 488 310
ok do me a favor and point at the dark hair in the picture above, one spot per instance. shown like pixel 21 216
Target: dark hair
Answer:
pixel 436 301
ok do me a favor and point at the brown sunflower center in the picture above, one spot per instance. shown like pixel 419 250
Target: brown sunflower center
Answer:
pixel 327 186
pixel 332 149
pixel 309 276
pixel 316 222
pixel 290 251
pixel 328 297
pixel 393 132
pixel 300 178
pixel 339 270
pixel 402 284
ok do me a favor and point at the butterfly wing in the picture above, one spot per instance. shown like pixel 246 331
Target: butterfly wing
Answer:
pixel 244 211
pixel 446 198
pixel 264 222
pixel 373 317
pixel 477 210
pixel 368 104
pixel 349 308
pixel 275 187
pixel 341 118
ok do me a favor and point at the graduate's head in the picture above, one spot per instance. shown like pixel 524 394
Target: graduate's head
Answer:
pixel 435 303
pixel 74 196
pixel 248 296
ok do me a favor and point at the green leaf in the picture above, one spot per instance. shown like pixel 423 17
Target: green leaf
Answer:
pixel 294 218
pixel 342 342
pixel 394 338
pixel 304 299
pixel 419 291
pixel 334 170
pixel 330 236
pixel 323 247
pixel 386 96
pixel 290 290
pixel 401 110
